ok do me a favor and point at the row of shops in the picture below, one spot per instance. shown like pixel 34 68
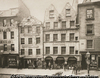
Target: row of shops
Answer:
pixel 14 61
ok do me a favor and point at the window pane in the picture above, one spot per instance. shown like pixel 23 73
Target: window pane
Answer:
pixel 22 41
pixel 67 11
pixel 22 29
pixel 47 37
pixel 64 24
pixel 12 47
pixel 63 37
pixel 71 50
pixel 12 35
pixel 47 50
pixel 51 13
pixel 71 23
pixel 71 36
pixel 63 50
pixel 5 35
pixel 38 29
pixel 47 25
pixel 89 29
pixel 90 13
pixel 55 50
pixel 5 47
pixel 29 40
pixel 55 25
pixel 29 51
pixel 22 51
pixel 29 29
pixel 37 40
pixel 37 51
pixel 55 37
pixel 89 43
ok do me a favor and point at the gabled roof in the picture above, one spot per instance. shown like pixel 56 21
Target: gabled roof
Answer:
pixel 30 21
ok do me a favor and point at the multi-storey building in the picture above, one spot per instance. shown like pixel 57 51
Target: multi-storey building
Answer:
pixel 61 36
pixel 88 19
pixel 9 21
pixel 31 42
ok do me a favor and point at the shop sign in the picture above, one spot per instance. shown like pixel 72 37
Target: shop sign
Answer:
pixel 5 41
pixel 29 46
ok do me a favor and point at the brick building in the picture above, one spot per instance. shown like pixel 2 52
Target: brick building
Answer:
pixel 61 36
pixel 9 21
pixel 31 42
pixel 88 19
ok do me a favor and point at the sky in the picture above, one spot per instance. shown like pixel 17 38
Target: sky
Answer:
pixel 37 7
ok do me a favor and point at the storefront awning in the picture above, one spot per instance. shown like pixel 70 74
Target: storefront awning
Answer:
pixel 72 58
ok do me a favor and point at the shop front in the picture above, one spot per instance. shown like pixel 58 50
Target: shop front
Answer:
pixel 94 60
pixel 0 61
pixel 10 60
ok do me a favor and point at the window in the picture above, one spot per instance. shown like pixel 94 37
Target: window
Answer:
pixel 63 50
pixel 29 29
pixel 4 35
pixel 64 24
pixel 12 47
pixel 47 37
pixel 22 29
pixel 11 22
pixel 4 23
pixel 12 35
pixel 63 37
pixel 5 47
pixel 37 51
pixel 29 51
pixel 55 50
pixel 76 52
pixel 89 43
pixel 29 40
pixel 55 25
pixel 47 25
pixel 55 37
pixel 67 11
pixel 76 38
pixel 51 14
pixel 22 51
pixel 71 23
pixel 71 36
pixel 37 40
pixel 89 13
pixel 89 29
pixel 38 29
pixel 71 50
pixel 22 41
pixel 47 50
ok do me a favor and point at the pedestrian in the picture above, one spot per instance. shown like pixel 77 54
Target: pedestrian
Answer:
pixel 49 65
pixel 65 66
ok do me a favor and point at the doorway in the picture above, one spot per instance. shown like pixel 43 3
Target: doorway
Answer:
pixel 99 62
pixel 83 62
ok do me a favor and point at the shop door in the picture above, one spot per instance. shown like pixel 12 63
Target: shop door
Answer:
pixel 83 62
pixel 99 62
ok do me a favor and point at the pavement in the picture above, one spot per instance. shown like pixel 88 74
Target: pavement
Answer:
pixel 9 71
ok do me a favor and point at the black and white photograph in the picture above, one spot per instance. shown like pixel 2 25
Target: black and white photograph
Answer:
pixel 49 37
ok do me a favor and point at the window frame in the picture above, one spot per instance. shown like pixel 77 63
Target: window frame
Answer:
pixel 5 48
pixel 64 37
pixel 51 13
pixel 55 37
pixel 38 51
pixel 47 25
pixel 12 47
pixel 55 50
pixel 55 25
pixel 63 50
pixel 92 29
pixel 29 29
pixel 38 29
pixel 38 40
pixel 29 40
pixel 22 29
pixel 71 36
pixel 87 43
pixel 71 23
pixel 47 50
pixel 73 49
pixel 47 38
pixel 12 34
pixel 23 42
pixel 29 51
pixel 4 35
pixel 63 24
pixel 22 51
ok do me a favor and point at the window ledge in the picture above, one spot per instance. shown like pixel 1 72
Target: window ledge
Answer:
pixel 90 19
pixel 89 34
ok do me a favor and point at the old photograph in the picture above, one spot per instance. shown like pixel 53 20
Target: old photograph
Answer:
pixel 49 37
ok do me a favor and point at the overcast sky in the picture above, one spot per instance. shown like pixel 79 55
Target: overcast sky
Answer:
pixel 37 7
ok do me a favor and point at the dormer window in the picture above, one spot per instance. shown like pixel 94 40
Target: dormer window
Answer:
pixel 67 12
pixel 51 14
pixel 4 23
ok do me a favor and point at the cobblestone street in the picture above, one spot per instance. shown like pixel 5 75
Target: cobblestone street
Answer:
pixel 6 73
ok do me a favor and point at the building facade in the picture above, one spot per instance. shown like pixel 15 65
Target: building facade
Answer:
pixel 61 37
pixel 9 21
pixel 88 19
pixel 31 42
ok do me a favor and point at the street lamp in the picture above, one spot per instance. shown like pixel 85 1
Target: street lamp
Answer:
pixel 88 61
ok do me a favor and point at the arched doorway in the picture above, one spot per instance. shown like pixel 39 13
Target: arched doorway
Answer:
pixel 72 61
pixel 47 60
pixel 60 61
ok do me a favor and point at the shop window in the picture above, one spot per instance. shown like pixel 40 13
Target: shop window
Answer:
pixel 22 51
pixel 89 43
pixel 22 29
pixel 47 37
pixel 51 14
pixel 72 23
pixel 29 51
pixel 12 35
pixel 55 37
pixel 4 23
pixel 47 25
pixel 63 50
pixel 47 50
pixel 22 41
pixel 90 13
pixel 71 50
pixel 37 51
pixel 55 50
pixel 29 29
pixel 5 47
pixel 64 24
pixel 4 35
pixel 55 25
pixel 63 37
pixel 38 40
pixel 12 47
pixel 29 40
pixel 90 29
pixel 38 29
pixel 71 36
